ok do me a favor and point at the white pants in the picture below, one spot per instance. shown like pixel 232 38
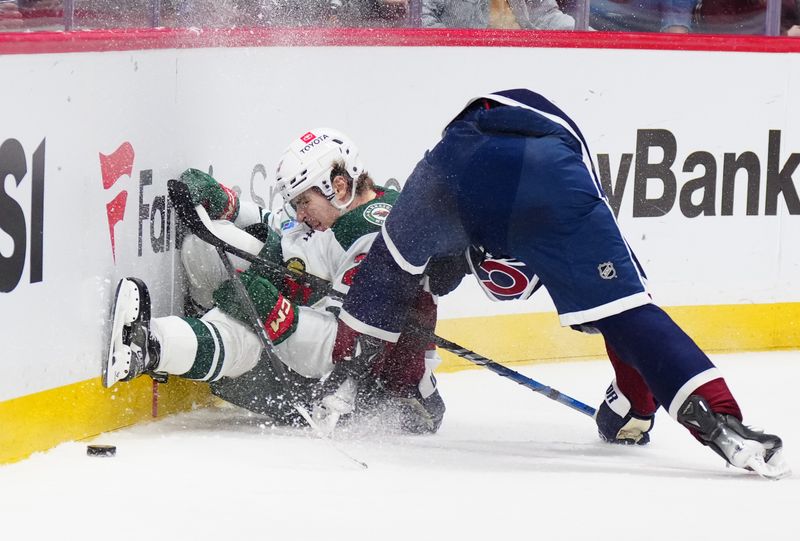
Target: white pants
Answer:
pixel 220 345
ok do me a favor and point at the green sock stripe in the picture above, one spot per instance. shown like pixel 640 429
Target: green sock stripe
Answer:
pixel 206 350
pixel 221 357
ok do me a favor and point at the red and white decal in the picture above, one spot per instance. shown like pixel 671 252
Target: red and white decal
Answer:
pixel 280 319
pixel 516 280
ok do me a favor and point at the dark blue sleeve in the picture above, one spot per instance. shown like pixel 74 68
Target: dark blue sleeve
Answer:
pixel 381 295
pixel 424 223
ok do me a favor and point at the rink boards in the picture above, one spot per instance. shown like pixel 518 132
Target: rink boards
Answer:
pixel 698 150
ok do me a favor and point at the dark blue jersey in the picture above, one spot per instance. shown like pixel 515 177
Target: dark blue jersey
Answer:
pixel 513 176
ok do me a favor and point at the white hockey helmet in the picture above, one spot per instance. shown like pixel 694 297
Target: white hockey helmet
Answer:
pixel 309 160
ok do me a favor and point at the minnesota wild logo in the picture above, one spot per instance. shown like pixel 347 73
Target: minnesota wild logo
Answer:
pixel 376 213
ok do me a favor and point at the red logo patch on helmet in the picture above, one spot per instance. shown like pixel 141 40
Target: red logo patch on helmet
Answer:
pixel 308 137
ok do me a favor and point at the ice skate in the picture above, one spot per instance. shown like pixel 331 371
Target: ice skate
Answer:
pixel 418 410
pixel 419 415
pixel 739 445
pixel 131 349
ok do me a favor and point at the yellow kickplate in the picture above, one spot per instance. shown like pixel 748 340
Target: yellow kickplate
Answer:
pixel 538 337
pixel 42 420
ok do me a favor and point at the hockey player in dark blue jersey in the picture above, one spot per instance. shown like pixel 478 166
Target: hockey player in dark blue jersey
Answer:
pixel 512 183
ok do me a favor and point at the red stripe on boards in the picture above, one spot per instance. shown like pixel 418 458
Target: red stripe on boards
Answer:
pixel 185 38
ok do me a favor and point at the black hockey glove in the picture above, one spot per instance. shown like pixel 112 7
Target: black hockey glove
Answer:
pixel 445 273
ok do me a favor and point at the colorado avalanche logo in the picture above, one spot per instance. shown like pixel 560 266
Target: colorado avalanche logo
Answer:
pixel 505 279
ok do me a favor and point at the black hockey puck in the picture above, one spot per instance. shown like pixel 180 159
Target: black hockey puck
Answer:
pixel 101 450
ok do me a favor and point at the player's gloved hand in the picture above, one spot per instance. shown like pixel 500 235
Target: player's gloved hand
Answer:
pixel 355 356
pixel 445 273
pixel 220 202
pixel 278 314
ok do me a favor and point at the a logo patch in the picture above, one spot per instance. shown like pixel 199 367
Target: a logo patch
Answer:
pixel 377 213
pixel 295 264
pixel 308 137
pixel 607 270
pixel 113 167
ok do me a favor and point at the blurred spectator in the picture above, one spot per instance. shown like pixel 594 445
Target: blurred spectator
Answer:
pixel 744 17
pixel 391 10
pixel 203 13
pixel 529 14
pixel 731 16
pixel 643 15
pixel 790 18
pixel 10 17
pixel 42 14
pixel 333 12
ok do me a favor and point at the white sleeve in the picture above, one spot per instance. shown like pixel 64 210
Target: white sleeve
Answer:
pixel 249 214
pixel 308 249
pixel 309 349
pixel 234 236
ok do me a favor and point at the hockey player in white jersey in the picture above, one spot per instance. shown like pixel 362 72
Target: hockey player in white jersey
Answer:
pixel 338 211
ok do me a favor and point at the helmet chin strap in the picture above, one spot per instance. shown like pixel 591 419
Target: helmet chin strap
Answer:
pixel 343 206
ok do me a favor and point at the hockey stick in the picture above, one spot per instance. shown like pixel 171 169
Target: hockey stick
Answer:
pixel 196 219
pixel 525 381
pixel 255 321
pixel 274 357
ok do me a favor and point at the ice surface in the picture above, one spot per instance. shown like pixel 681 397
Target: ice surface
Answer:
pixel 507 464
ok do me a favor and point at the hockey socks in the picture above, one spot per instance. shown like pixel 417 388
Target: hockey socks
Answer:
pixel 190 348
pixel 671 365
pixel 631 385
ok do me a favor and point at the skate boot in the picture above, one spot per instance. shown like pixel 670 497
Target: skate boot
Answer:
pixel 418 414
pixel 132 351
pixel 419 409
pixel 739 445
pixel 617 423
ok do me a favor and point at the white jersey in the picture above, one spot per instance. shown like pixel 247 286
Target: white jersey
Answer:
pixel 333 255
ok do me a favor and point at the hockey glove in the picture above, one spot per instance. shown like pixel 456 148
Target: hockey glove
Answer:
pixel 287 276
pixel 220 202
pixel 618 423
pixel 277 313
pixel 445 273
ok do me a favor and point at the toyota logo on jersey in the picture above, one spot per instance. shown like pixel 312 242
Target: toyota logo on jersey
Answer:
pixel 308 137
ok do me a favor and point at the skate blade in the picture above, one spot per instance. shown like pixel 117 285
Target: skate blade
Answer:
pixel 124 312
pixel 322 425
pixel 776 468
pixel 325 434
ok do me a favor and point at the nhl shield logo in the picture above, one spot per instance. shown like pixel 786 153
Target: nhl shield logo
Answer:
pixel 607 270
